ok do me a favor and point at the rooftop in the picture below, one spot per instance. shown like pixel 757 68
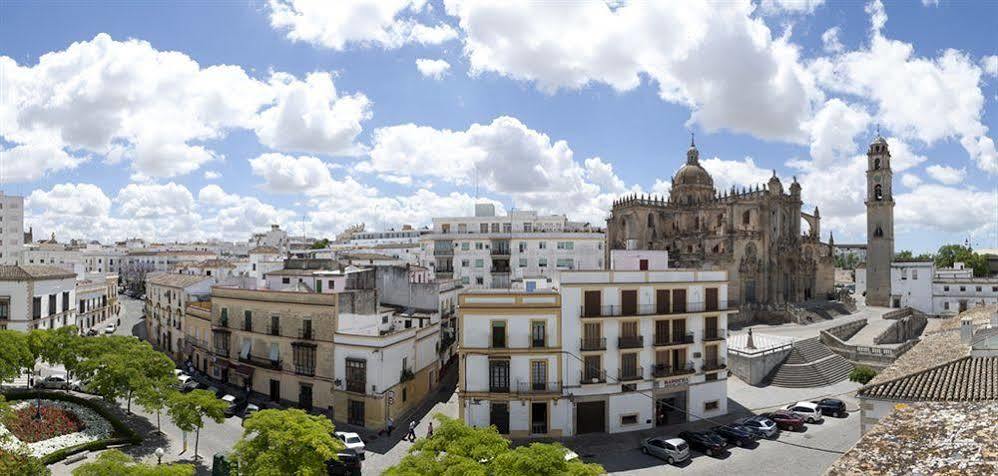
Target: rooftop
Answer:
pixel 33 272
pixel 176 280
pixel 264 250
pixel 927 438
pixel 965 379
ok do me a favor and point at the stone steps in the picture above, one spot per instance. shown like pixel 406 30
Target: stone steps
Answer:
pixel 810 364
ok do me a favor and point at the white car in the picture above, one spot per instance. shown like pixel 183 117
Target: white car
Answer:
pixel 672 450
pixel 808 411
pixel 57 382
pixel 109 329
pixel 353 442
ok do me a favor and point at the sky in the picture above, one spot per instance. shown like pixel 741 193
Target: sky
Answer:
pixel 196 120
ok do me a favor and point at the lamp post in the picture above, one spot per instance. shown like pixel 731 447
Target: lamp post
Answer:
pixel 159 456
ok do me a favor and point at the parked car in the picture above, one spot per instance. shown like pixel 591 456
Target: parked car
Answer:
pixel 109 329
pixel 706 442
pixel 236 404
pixel 182 380
pixel 832 406
pixel 213 389
pixel 786 420
pixel 672 450
pixel 55 382
pixel 762 426
pixel 352 441
pixel 189 385
pixel 807 410
pixel 250 409
pixel 735 434
pixel 347 463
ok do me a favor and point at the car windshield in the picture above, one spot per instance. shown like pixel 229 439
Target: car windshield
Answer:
pixel 353 439
pixel 682 447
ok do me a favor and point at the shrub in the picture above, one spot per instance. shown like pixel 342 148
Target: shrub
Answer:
pixel 54 422
pixel 862 374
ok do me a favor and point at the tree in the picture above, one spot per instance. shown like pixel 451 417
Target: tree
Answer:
pixel 16 355
pixel 320 244
pixel 117 367
pixel 188 411
pixel 949 254
pixel 116 463
pixel 153 396
pixel 279 442
pixel 862 374
pixel 457 449
pixel 18 462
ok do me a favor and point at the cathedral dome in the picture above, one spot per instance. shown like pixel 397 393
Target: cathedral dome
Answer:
pixel 693 174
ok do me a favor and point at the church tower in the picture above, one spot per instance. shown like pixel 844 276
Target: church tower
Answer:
pixel 879 223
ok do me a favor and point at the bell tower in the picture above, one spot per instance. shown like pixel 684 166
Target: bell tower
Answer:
pixel 879 223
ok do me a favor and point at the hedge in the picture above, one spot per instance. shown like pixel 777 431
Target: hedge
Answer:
pixel 122 433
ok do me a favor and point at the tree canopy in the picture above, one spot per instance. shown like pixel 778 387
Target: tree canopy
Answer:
pixel 116 463
pixel 286 442
pixel 320 244
pixel 117 367
pixel 457 449
pixel 949 254
pixel 16 355
pixel 188 411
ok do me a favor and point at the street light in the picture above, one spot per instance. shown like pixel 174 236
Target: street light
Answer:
pixel 159 455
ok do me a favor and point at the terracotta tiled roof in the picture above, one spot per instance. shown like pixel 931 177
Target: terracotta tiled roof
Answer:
pixel 264 249
pixel 33 272
pixel 175 280
pixel 966 379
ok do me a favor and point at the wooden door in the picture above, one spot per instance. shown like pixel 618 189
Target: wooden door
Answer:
pixel 593 301
pixel 662 301
pixel 679 300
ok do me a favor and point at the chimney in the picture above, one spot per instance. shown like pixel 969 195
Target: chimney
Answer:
pixel 966 330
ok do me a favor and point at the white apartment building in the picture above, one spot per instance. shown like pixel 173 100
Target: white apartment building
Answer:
pixel 101 259
pixel 406 235
pixel 489 251
pixel 167 296
pixel 54 254
pixel 11 228
pixel 97 299
pixel 36 297
pixel 636 347
pixel 274 237
pixel 940 291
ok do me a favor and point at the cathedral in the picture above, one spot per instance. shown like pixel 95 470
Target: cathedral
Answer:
pixel 754 233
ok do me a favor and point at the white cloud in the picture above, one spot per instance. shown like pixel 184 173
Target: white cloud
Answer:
pixel 790 6
pixel 305 174
pixel 910 180
pixel 830 40
pixel 154 201
pixel 211 175
pixel 990 65
pixel 917 98
pixel 235 216
pixel 83 200
pixel 946 175
pixel 727 173
pixel 396 179
pixel 930 3
pixel 432 68
pixel 309 116
pixel 385 212
pixel 30 162
pixel 833 130
pixel 702 56
pixel 334 24
pixel 545 176
pixel 158 109
pixel 946 209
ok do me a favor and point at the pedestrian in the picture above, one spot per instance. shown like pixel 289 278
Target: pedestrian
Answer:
pixel 412 431
pixel 429 431
pixel 391 426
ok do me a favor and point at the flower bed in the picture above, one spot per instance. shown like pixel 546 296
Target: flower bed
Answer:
pixel 41 441
pixel 56 420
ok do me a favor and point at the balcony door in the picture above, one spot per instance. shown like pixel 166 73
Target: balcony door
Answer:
pixel 678 329
pixel 499 417
pixel 629 302
pixel 710 327
pixel 662 301
pixel 661 332
pixel 593 301
pixel 679 300
pixel 711 299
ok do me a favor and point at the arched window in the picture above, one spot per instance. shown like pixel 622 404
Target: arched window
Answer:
pixel 878 192
pixel 747 217
pixel 651 221
pixel 876 163
pixel 879 232
pixel 720 219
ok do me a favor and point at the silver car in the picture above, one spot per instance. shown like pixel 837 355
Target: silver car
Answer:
pixel 672 450
pixel 761 425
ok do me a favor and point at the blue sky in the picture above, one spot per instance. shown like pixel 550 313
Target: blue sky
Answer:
pixel 140 130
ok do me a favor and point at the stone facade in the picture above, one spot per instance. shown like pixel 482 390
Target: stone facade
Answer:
pixel 879 223
pixel 753 233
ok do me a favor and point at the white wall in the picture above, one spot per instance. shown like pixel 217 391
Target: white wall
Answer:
pixel 698 395
pixel 912 283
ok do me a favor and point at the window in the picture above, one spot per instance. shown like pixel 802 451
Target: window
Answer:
pixel 479 263
pixel 356 375
pixel 963 288
pixel 543 245
pixel 904 274
pixel 538 334
pixel 711 376
pixel 285 280
pixel 523 262
pixel 499 334
pixel 499 375
pixel 711 405
pixel 945 288
pixel 629 419
pixel 538 374
pixel 65 299
pixel 479 245
pixel 4 310
pixel 465 263
pixel 527 228
pixel 522 246
pixel 465 246
pixel 462 227
pixel 304 359
pixel 878 192
pixel 495 228
pixel 542 263
pixel 566 245
pixel 978 289
pixel 52 308
pixel 746 217
pixel 247 320
pixel 914 274
pixel 566 263
pixel 465 280
pixel 479 280
pixel 484 227
pixel 224 317
pixel 876 164
pixel 946 305
pixel 275 325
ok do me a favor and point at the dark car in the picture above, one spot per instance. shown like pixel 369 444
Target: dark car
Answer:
pixel 832 406
pixel 706 442
pixel 347 464
pixel 786 420
pixel 735 434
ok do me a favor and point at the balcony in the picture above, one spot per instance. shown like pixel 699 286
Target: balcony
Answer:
pixel 448 251
pixel 592 376
pixel 592 343
pixel 305 368
pixel 714 334
pixel 248 327
pixel 258 361
pixel 674 339
pixel 406 375
pixel 616 310
pixel 221 324
pixel 713 364
pixel 357 386
pixel 221 351
pixel 665 370
pixel 538 387
pixel 306 333
pixel 498 342
pixel 501 388
pixel 630 342
pixel 538 343
pixel 628 375
pixel 274 330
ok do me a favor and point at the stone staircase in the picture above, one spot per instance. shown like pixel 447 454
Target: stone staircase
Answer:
pixel 826 309
pixel 810 364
